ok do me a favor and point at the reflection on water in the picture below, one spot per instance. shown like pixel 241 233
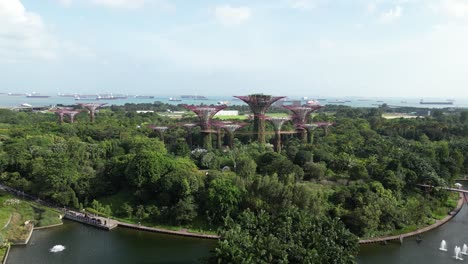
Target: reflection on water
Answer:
pixel 85 244
pixel 455 234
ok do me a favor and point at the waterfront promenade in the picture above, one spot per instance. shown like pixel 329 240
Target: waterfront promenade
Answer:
pixel 94 220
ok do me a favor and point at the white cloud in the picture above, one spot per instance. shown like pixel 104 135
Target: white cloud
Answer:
pixel 391 15
pixel 25 36
pixel 23 33
pixel 454 8
pixel 303 4
pixel 66 3
pixel 120 3
pixel 230 16
pixel 123 4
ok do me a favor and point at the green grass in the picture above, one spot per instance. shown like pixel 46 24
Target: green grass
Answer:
pixel 17 231
pixel 237 117
pixel 2 253
pixel 405 230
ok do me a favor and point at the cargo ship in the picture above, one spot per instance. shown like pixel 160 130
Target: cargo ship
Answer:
pixel 436 102
pixel 194 97
pixel 36 95
pixel 144 97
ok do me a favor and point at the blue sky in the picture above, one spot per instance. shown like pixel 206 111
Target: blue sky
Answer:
pixel 400 48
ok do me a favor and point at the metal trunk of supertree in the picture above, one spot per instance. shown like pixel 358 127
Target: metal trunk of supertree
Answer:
pixel 301 114
pixel 230 129
pixel 189 138
pixel 278 123
pixel 71 115
pixel 325 126
pixel 259 104
pixel 60 113
pixel 310 132
pixel 205 115
pixel 92 107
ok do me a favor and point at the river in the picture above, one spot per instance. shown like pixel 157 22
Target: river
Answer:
pixel 85 244
pixel 89 245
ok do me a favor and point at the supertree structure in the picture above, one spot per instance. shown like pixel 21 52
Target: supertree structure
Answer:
pixel 189 127
pixel 219 133
pixel 92 107
pixel 71 114
pixel 205 115
pixel 310 131
pixel 230 128
pixel 312 126
pixel 278 123
pixel 300 116
pixel 160 129
pixel 259 104
pixel 60 113
pixel 325 126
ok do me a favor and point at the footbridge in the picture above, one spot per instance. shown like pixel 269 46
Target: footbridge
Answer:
pixel 444 188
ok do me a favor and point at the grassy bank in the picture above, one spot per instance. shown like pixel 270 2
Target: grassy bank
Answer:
pixel 2 253
pixel 115 202
pixel 18 216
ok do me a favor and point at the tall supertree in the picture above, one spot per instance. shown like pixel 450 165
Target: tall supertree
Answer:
pixel 161 130
pixel 259 104
pixel 205 115
pixel 189 127
pixel 278 123
pixel 92 107
pixel 301 114
pixel 71 114
pixel 60 113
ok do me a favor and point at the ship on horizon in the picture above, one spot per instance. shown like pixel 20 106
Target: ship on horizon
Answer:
pixel 194 97
pixel 143 97
pixel 36 95
pixel 436 102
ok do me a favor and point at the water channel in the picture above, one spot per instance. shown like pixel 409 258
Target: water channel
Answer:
pixel 85 244
pixel 89 245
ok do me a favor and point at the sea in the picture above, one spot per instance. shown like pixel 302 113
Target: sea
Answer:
pixel 12 101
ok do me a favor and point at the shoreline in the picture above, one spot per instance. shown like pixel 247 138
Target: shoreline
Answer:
pixel 5 257
pixel 400 237
pixel 167 231
pixel 49 226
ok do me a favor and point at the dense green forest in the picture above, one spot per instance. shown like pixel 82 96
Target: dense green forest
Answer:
pixel 308 204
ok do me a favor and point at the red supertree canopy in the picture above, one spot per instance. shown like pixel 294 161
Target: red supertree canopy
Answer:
pixel 205 113
pixel 301 112
pixel 259 103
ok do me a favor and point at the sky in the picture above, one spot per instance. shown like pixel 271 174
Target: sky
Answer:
pixel 368 48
